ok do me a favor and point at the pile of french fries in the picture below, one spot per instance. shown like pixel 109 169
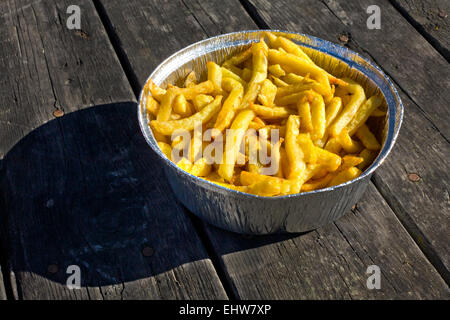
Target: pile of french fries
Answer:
pixel 310 123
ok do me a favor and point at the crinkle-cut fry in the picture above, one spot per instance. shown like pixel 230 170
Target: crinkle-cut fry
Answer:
pixel 378 113
pixel 320 183
pixel 344 176
pixel 200 168
pixel 156 91
pixel 231 104
pixel 332 110
pixel 278 82
pixel 333 145
pixel 304 111
pixel 152 106
pixel 363 114
pixel 347 143
pixel 271 112
pixel 166 149
pixel 238 58
pixel 247 74
pixel 299 66
pixel 350 161
pixel 350 109
pixel 299 87
pixel 233 142
pixel 276 70
pixel 294 152
pixel 308 148
pixel 182 107
pixel 215 76
pixel 267 93
pixel 189 93
pixel 201 100
pixel 168 127
pixel 330 160
pixel 229 74
pixel 368 157
pixel 191 80
pixel 317 116
pixel 367 138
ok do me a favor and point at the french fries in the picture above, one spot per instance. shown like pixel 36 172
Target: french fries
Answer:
pixel 274 122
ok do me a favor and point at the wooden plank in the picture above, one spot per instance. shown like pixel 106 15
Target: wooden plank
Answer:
pixel 2 286
pixel 431 18
pixel 422 146
pixel 160 28
pixel 252 264
pixel 331 262
pixel 84 189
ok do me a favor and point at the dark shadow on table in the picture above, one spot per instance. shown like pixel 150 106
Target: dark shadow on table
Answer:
pixel 86 190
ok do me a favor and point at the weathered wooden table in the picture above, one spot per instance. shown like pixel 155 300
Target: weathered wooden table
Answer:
pixel 79 186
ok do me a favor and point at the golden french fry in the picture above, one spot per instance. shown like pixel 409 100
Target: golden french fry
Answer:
pixel 333 145
pixel 308 148
pixel 367 138
pixel 249 178
pixel 344 176
pixel 229 74
pixel 267 93
pixel 294 152
pixel 156 91
pixel 292 78
pixel 350 109
pixel 330 160
pixel 299 66
pixel 168 127
pixel 347 143
pixel 238 58
pixel 235 70
pixel 191 80
pixel 182 107
pixel 152 106
pixel 201 101
pixel 189 93
pixel 271 112
pixel 166 149
pixel 200 168
pixel 363 113
pixel 278 82
pixel 299 87
pixel 332 110
pixel 368 156
pixel 350 161
pixel 378 113
pixel 304 111
pixel 233 142
pixel 276 70
pixel 184 164
pixel 229 108
pixel 318 183
pixel 215 76
pixel 247 74
pixel 317 116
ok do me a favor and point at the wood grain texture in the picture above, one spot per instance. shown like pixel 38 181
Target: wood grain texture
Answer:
pixel 431 18
pixel 2 286
pixel 275 267
pixel 84 189
pixel 331 262
pixel 159 28
pixel 422 146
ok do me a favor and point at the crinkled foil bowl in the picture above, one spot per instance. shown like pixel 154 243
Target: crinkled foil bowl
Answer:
pixel 250 214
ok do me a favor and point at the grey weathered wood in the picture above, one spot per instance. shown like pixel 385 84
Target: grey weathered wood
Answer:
pixel 160 28
pixel 251 265
pixel 2 286
pixel 331 262
pixel 431 18
pixel 422 146
pixel 84 189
